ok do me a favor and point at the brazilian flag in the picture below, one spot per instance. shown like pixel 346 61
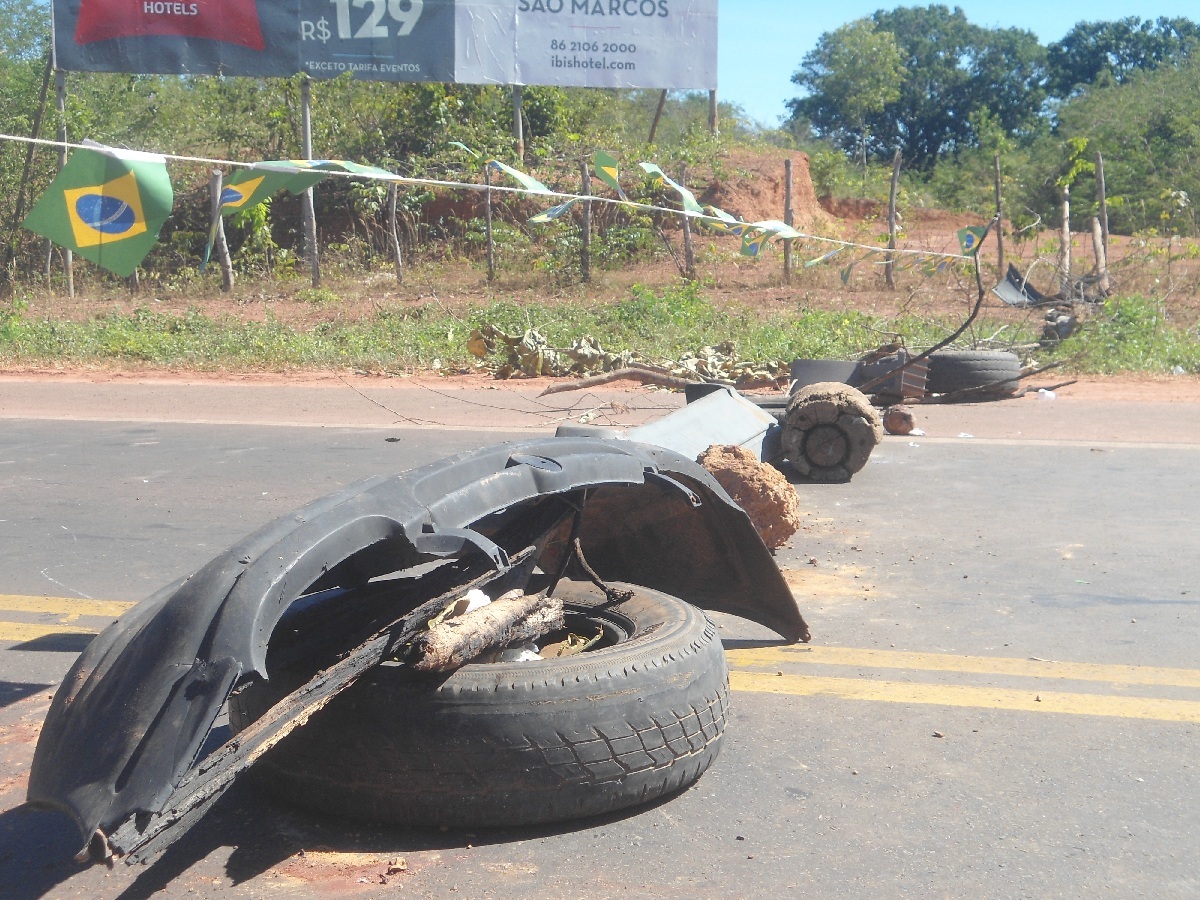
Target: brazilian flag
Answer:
pixel 246 188
pixel 107 205
pixel 969 238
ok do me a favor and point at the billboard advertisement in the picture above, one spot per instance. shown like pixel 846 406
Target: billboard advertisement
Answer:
pixel 585 43
pixel 588 43
pixel 377 40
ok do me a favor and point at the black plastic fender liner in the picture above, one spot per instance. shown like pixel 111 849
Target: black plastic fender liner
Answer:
pixel 133 712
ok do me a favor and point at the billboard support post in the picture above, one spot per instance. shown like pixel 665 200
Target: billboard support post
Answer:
pixel 518 125
pixel 310 212
pixel 60 104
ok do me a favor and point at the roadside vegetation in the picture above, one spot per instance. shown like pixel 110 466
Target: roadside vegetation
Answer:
pixel 1126 92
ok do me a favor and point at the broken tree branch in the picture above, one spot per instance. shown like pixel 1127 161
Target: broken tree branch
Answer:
pixel 631 373
pixel 921 357
pixel 510 619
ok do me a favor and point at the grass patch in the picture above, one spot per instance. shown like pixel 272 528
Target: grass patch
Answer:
pixel 1129 334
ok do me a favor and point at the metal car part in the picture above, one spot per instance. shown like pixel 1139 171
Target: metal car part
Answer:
pixel 131 716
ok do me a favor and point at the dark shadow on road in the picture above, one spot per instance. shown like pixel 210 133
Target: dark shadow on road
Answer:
pixel 265 832
pixel 38 855
pixel 14 691
pixel 736 644
pixel 63 642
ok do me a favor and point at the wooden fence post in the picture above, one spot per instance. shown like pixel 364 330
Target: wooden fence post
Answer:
pixel 689 253
pixel 788 215
pixel 1064 237
pixel 394 231
pixel 487 223
pixel 585 260
pixel 1102 200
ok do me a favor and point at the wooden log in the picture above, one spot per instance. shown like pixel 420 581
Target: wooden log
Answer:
pixel 512 618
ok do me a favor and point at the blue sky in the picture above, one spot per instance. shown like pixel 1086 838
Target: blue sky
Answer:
pixel 761 42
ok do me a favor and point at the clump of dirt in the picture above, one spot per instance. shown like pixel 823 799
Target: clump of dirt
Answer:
pixel 761 490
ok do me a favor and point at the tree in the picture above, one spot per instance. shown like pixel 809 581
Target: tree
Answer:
pixel 853 74
pixel 1093 52
pixel 950 69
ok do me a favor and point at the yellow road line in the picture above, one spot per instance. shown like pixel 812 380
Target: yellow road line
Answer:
pixel 22 631
pixel 62 606
pixel 961 695
pixel 775 657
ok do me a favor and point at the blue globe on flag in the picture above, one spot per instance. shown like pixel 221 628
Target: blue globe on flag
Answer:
pixel 108 215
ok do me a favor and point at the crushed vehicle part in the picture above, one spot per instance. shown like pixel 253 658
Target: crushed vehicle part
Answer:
pixel 131 716
pixel 829 431
pixel 638 716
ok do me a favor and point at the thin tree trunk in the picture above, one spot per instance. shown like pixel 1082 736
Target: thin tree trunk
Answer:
pixel 889 267
pixel 999 221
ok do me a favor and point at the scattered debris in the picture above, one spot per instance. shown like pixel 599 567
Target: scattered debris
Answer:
pixel 761 490
pixel 531 355
pixel 898 419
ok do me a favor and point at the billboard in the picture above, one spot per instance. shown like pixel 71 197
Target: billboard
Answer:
pixel 587 43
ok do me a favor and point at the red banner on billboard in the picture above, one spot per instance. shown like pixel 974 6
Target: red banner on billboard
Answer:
pixel 230 21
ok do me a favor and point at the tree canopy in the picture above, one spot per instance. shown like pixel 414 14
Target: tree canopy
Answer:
pixel 948 70
pixel 1101 52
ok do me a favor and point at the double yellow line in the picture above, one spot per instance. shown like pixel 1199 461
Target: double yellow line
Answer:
pixel 790 671
pixel 65 611
pixel 1030 685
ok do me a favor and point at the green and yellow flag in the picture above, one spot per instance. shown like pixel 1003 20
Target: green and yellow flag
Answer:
pixel 687 197
pixel 107 205
pixel 606 171
pixel 969 238
pixel 249 187
pixel 528 182
pixel 552 213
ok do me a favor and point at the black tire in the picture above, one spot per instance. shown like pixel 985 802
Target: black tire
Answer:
pixel 504 744
pixel 957 370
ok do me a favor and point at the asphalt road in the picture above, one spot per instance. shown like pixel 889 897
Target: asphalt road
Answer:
pixel 1001 699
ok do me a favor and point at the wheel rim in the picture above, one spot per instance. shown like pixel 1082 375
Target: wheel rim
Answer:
pixel 826 446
